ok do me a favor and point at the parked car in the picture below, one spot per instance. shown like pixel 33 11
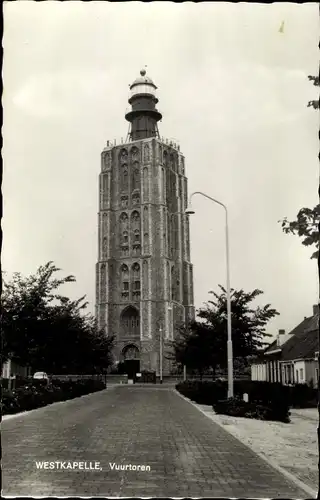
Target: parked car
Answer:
pixel 41 376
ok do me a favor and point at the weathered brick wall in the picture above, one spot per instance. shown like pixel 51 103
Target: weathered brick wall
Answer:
pixel 161 193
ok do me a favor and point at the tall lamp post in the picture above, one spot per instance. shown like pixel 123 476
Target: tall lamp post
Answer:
pixel 170 308
pixel 190 211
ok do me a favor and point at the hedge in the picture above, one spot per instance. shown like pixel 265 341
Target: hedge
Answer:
pixel 37 395
pixel 264 393
pixel 236 407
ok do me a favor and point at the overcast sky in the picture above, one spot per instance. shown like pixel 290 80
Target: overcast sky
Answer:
pixel 233 91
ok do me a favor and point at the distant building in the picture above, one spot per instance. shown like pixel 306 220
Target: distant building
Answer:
pixel 292 358
pixel 144 280
pixel 10 369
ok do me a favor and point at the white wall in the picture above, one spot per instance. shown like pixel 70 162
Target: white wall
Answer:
pixel 11 368
pixel 259 372
pixel 299 365
pixel 6 369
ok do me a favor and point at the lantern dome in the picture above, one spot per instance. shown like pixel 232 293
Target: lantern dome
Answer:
pixel 143 85
pixel 143 114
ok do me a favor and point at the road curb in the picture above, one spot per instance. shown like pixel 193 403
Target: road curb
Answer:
pixel 307 489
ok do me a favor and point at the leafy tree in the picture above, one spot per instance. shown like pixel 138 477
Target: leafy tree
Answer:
pixel 306 226
pixel 47 331
pixel 248 324
pixel 204 343
pixel 314 103
pixel 192 347
pixel 307 223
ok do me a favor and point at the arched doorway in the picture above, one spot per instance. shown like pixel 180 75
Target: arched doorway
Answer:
pixel 131 358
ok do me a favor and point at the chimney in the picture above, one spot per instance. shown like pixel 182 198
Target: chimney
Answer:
pixel 315 310
pixel 282 332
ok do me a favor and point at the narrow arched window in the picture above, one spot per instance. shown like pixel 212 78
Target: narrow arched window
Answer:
pixel 125 238
pixel 124 233
pixel 135 232
pixel 145 184
pixel 136 236
pixel 125 281
pixel 124 221
pixel 146 243
pixel 124 178
pixel 129 322
pixel 123 156
pixel 146 152
pixel 135 280
pixel 135 176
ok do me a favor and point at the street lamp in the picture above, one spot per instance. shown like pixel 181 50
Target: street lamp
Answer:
pixel 190 211
pixel 170 308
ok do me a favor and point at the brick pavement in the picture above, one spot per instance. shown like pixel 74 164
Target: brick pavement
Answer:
pixel 189 455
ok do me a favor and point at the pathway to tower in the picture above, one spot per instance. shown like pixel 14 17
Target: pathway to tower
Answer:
pixel 188 454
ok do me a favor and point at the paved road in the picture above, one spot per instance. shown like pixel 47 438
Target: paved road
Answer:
pixel 189 455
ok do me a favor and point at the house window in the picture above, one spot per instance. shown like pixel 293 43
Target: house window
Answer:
pixel 301 374
pixel 125 286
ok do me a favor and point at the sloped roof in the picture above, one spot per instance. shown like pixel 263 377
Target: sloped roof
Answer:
pixel 304 341
pixel 271 347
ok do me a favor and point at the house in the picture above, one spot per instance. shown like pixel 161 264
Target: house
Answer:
pixel 10 369
pixel 292 358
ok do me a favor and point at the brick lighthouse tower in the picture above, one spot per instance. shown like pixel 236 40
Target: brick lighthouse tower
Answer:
pixel 144 281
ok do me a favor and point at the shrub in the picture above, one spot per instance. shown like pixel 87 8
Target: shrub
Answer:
pixel 265 394
pixel 303 396
pixel 31 396
pixel 236 407
pixel 9 402
pixel 203 392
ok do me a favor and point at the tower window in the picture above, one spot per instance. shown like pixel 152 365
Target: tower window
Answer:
pixel 136 176
pixel 125 281
pixel 124 178
pixel 129 321
pixel 125 237
pixel 136 285
pixel 135 199
pixel 124 201
pixel 137 236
